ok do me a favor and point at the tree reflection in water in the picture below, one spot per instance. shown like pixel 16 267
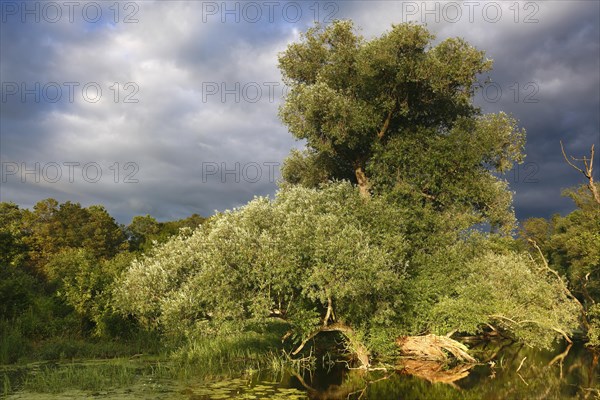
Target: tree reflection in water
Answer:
pixel 512 371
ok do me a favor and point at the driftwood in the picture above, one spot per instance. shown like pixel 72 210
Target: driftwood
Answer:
pixel 433 348
pixel 427 357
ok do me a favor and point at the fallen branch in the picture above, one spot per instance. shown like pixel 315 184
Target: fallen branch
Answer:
pixel 563 286
pixel 433 348
pixel 361 351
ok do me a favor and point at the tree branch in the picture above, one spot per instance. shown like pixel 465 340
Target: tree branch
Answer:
pixel 386 124
pixel 588 172
pixel 568 161
pixel 532 321
pixel 586 294
pixel 562 283
pixel 329 313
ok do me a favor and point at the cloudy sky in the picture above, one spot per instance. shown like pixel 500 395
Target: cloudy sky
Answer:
pixel 170 108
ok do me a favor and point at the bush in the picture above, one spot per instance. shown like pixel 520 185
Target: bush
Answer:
pixel 299 257
pixel 512 293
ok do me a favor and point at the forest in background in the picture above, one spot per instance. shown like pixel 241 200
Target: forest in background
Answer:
pixel 58 264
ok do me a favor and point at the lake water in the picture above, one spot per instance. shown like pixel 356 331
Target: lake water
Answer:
pixel 517 372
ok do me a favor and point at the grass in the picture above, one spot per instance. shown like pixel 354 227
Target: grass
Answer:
pixel 234 354
pixel 13 345
pixel 55 379
pixel 17 348
pixel 204 359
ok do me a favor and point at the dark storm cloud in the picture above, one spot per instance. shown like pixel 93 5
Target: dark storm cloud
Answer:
pixel 207 94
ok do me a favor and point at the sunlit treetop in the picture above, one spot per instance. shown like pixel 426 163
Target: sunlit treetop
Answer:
pixel 395 114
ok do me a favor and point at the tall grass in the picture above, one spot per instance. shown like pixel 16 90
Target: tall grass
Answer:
pixel 202 359
pixel 17 347
pixel 12 343
pixel 53 379
pixel 247 351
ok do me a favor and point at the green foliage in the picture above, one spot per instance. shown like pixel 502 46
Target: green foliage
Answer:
pixel 17 291
pixel 508 291
pixel 288 258
pixel 395 115
pixel 284 258
pixel 58 263
pixel 12 231
pixel 54 227
pixel 85 284
pixel 144 231
pixel 571 244
pixel 593 334
pixel 575 244
pixel 451 171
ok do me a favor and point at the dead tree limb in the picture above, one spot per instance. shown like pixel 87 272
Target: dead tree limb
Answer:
pixel 587 171
pixel 562 284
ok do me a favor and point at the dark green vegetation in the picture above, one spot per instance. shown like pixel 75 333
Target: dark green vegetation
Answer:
pixel 376 234
pixel 57 269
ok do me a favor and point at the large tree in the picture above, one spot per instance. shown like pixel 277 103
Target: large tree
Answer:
pixel 293 258
pixel 395 115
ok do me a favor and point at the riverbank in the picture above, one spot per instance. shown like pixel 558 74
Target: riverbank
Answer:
pixel 252 366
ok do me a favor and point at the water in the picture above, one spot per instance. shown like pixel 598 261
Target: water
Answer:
pixel 517 372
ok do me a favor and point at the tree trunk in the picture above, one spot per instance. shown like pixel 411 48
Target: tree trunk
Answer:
pixel 594 190
pixel 363 182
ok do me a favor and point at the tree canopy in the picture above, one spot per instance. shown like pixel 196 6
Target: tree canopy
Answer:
pixel 293 258
pixel 328 259
pixel 394 114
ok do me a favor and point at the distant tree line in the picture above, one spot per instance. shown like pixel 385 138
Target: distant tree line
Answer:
pixel 59 260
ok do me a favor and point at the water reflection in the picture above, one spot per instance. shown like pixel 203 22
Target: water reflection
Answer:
pixel 512 372
pixel 508 371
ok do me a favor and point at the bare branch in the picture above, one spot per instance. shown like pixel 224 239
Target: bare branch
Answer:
pixel 588 172
pixel 569 162
pixel 562 283
pixel 521 365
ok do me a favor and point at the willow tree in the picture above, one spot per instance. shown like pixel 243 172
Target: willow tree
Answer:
pixel 395 115
pixel 292 259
